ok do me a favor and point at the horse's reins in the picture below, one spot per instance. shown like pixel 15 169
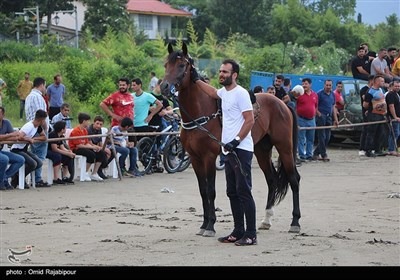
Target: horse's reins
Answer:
pixel 200 126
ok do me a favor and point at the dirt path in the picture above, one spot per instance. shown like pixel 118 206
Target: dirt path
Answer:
pixel 347 219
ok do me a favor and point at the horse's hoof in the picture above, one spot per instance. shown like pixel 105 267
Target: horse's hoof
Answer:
pixel 294 229
pixel 264 226
pixel 209 233
pixel 201 231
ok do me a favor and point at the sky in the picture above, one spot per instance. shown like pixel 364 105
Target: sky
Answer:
pixel 376 11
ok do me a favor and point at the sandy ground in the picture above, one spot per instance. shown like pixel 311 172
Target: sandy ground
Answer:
pixel 347 220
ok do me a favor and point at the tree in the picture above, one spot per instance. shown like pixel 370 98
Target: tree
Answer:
pixel 199 8
pixel 194 43
pixel 12 6
pixel 102 14
pixel 344 9
pixel 46 8
pixel 387 35
pixel 210 44
pixel 231 16
pixel 291 23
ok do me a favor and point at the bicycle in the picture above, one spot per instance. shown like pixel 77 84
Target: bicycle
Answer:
pixel 171 152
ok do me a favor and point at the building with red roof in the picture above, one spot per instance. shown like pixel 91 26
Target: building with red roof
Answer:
pixel 152 16
pixel 156 18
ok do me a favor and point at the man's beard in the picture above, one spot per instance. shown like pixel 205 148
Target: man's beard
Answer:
pixel 227 81
pixel 123 90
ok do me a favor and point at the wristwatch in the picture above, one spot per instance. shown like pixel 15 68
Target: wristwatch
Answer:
pixel 237 138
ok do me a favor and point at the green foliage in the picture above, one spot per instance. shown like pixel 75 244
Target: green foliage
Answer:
pixel 121 49
pixel 232 16
pixel 154 48
pixel 13 51
pixel 387 35
pixel 210 47
pixel 49 50
pixel 298 56
pixel 343 9
pixel 238 45
pixel 269 59
pixel 194 44
pixel 288 26
pixel 13 72
pixel 328 59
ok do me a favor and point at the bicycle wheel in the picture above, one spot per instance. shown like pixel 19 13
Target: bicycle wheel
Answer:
pixel 185 162
pixel 144 146
pixel 174 155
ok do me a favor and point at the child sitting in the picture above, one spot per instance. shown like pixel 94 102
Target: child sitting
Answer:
pixel 58 154
pixel 93 153
pixel 125 148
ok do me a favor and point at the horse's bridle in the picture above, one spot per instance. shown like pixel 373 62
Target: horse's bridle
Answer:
pixel 189 63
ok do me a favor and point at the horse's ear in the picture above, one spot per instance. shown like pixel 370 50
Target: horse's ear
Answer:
pixel 170 48
pixel 184 48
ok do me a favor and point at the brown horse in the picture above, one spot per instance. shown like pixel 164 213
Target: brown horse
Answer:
pixel 275 125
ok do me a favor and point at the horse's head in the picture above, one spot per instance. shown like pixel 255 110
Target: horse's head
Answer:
pixel 177 71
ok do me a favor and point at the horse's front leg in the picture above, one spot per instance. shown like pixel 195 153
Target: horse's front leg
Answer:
pixel 207 193
pixel 210 171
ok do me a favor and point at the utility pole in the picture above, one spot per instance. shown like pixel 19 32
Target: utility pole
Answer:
pixel 35 12
pixel 74 11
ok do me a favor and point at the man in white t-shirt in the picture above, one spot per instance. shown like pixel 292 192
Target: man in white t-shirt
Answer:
pixel 236 133
pixel 29 132
pixel 379 66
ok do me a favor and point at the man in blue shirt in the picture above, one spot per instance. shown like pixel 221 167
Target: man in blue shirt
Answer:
pixel 55 94
pixel 15 161
pixel 326 113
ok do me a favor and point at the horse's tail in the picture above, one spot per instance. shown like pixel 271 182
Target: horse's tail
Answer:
pixel 282 185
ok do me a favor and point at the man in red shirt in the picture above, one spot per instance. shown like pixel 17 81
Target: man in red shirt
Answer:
pixel 121 103
pixel 338 96
pixel 94 154
pixel 306 109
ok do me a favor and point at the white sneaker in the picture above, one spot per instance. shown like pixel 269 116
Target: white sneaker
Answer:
pixel 361 153
pixel 87 177
pixel 96 177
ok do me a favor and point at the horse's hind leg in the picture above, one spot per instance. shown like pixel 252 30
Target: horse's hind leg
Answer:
pixel 294 180
pixel 264 161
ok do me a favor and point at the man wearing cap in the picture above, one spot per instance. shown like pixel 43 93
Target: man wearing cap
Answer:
pixel 359 64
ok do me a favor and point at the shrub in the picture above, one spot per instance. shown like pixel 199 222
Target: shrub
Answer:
pixel 13 51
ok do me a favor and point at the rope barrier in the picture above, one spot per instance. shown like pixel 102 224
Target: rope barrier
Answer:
pixel 177 132
pixel 342 125
pixel 96 136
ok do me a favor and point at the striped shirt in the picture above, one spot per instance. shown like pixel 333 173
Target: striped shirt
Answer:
pixel 33 102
